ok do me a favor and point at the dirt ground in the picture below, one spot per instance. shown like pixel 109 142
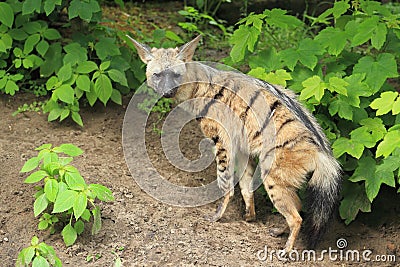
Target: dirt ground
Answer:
pixel 136 227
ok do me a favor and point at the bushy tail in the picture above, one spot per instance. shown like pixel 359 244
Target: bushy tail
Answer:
pixel 321 197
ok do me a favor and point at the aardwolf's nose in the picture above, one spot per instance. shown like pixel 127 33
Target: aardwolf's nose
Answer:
pixel 171 93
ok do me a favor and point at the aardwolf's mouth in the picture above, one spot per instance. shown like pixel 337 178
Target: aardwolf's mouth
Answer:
pixel 171 93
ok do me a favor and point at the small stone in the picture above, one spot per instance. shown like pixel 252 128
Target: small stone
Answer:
pixel 5 239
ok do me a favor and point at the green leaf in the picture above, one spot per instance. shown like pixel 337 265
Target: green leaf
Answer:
pixel 29 254
pixel 31 164
pixel 116 97
pixel 277 17
pixel 64 73
pixel 341 106
pixel 43 225
pixel 11 87
pixel 313 86
pixel 76 54
pixel 83 83
pixel 390 142
pixel 53 60
pixel 365 30
pixel 80 204
pixel 77 118
pixel 6 14
pixel 91 96
pixel 83 9
pixel 42 47
pixel 65 93
pixel 379 36
pixel 64 114
pixel 54 114
pixel 86 215
pixel 118 76
pixel 377 71
pixel 356 88
pixel 86 67
pixel 103 88
pixel 366 171
pixel 40 204
pixel 243 39
pixel 64 201
pixel 44 146
pixel 35 177
pixel 344 145
pixel 96 220
pixel 75 181
pixel 70 150
pixel 354 200
pixel 105 65
pixel 49 6
pixel 39 261
pixel 51 34
pixel 106 47
pixel 51 189
pixel 306 53
pixel 172 36
pixel 332 38
pixel 338 85
pixel 30 42
pixel 29 6
pixel 375 127
pixel 384 103
pixel 79 226
pixel 34 241
pixel 363 136
pixel 101 192
pixel 69 235
pixel 267 59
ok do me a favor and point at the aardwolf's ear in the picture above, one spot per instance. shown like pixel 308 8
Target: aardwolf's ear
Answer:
pixel 187 50
pixel 143 50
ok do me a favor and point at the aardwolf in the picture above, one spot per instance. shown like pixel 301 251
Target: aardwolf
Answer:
pixel 287 140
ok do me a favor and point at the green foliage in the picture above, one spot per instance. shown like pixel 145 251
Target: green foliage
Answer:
pixel 33 107
pixel 38 254
pixel 344 73
pixel 74 68
pixel 196 21
pixel 63 192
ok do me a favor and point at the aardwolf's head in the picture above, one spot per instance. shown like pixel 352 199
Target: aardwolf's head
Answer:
pixel 165 67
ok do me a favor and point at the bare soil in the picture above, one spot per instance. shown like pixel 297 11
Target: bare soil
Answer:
pixel 136 227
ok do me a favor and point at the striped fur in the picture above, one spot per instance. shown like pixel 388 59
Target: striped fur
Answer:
pixel 248 118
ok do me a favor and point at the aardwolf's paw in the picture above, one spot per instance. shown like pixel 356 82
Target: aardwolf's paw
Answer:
pixel 249 217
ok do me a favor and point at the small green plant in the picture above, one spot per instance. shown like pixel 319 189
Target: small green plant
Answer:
pixel 38 254
pixel 64 193
pixel 154 104
pixel 194 19
pixel 35 106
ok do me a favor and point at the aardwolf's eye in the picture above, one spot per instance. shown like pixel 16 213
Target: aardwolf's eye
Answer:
pixel 157 75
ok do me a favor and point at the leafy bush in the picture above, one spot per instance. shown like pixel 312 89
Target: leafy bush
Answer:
pixel 39 254
pixel 344 74
pixel 64 193
pixel 81 66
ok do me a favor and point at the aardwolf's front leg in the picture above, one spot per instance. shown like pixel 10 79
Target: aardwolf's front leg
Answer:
pixel 225 178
